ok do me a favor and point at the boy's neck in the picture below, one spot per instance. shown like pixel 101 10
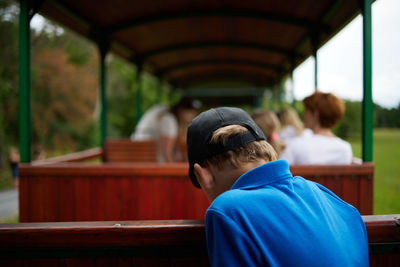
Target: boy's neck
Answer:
pixel 232 175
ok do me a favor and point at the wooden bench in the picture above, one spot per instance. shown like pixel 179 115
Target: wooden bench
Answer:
pixel 111 191
pixel 352 183
pixel 126 150
pixel 149 191
pixel 146 243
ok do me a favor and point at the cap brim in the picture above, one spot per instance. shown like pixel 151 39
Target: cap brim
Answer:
pixel 193 177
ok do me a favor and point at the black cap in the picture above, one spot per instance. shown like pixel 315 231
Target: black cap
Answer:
pixel 202 127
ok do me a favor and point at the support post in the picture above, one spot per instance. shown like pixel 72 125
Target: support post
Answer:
pixel 257 101
pixel 103 48
pixel 292 66
pixel 24 108
pixel 314 44
pixel 367 105
pixel 139 110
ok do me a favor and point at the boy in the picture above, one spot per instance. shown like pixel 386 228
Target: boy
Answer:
pixel 260 214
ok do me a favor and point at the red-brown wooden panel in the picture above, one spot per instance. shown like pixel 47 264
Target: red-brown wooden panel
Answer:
pixel 134 191
pixel 113 261
pixel 67 199
pixel 12 262
pixel 41 262
pixel 98 198
pixel 24 197
pixel 126 150
pixel 151 243
pixel 77 262
pixel 82 195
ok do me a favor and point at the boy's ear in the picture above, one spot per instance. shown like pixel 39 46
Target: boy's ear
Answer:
pixel 204 177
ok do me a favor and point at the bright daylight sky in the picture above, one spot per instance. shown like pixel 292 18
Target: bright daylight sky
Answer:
pixel 340 60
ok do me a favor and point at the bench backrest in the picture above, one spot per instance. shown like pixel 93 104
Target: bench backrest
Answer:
pixel 148 191
pixel 352 183
pixel 146 243
pixel 126 150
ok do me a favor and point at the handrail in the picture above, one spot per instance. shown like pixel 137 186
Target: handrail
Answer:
pixel 102 234
pixel 73 157
pixel 380 228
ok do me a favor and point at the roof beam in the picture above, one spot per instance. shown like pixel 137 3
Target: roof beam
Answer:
pixel 252 14
pixel 224 92
pixel 260 65
pixel 185 46
pixel 187 80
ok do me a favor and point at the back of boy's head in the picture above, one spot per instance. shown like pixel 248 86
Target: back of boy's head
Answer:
pixel 225 137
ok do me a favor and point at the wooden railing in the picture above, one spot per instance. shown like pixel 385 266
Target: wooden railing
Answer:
pixel 90 154
pixel 147 191
pixel 115 150
pixel 126 150
pixel 146 243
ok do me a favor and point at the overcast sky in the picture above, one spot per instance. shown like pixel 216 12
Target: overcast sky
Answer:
pixel 340 60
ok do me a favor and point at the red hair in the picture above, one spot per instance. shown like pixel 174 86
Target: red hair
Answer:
pixel 329 107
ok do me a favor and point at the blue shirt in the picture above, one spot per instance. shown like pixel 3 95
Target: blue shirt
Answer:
pixel 270 218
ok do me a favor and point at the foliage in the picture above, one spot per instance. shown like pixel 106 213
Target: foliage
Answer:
pixel 387 118
pixel 64 84
pixel 350 125
pixel 63 98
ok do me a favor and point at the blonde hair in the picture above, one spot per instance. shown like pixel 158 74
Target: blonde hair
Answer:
pixel 289 116
pixel 251 152
pixel 269 124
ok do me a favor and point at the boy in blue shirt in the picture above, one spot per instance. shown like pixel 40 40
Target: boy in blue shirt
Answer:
pixel 260 214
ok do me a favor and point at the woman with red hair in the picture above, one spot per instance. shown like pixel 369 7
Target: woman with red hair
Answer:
pixel 322 112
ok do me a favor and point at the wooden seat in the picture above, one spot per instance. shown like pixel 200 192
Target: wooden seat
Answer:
pixel 352 183
pixel 146 243
pixel 150 191
pixel 126 150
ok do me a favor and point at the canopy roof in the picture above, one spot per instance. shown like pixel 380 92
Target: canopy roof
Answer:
pixel 188 43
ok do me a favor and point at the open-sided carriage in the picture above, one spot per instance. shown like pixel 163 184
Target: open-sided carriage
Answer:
pixel 191 44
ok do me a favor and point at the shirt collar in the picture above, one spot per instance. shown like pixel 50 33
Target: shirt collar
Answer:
pixel 264 174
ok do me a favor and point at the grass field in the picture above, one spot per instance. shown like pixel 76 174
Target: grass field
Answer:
pixel 386 157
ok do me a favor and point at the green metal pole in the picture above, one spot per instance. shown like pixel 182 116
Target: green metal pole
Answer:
pixel 315 70
pixel 292 89
pixel 139 111
pixel 314 46
pixel 367 105
pixel 292 67
pixel 103 98
pixel 257 101
pixel 24 120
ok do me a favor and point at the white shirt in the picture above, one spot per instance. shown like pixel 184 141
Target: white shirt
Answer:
pixel 288 132
pixel 310 149
pixel 156 122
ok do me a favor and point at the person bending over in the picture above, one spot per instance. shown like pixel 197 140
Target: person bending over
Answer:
pixel 167 127
pixel 260 214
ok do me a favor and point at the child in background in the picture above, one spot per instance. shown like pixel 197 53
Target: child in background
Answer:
pixel 270 125
pixel 290 123
pixel 13 158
